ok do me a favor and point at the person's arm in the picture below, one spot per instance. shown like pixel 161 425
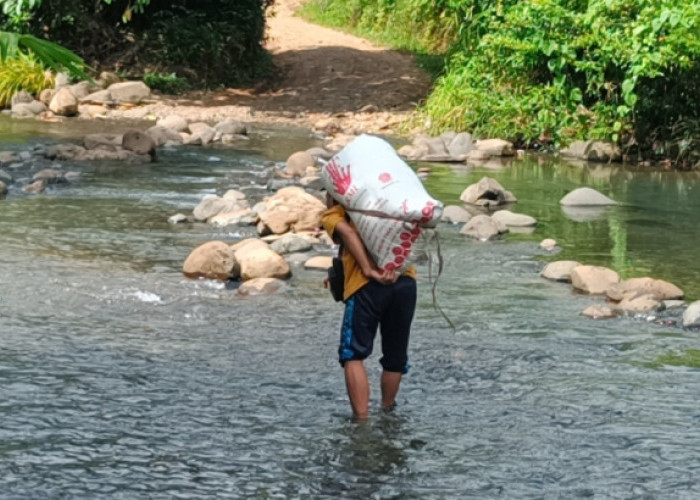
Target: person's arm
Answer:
pixel 353 244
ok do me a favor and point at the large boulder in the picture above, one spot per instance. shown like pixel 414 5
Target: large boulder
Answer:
pixel 659 289
pixel 495 147
pixel 292 209
pixel 138 142
pixel 64 103
pixel 212 260
pixel 487 193
pixel 177 123
pixel 586 197
pixel 599 151
pixel 129 92
pixel 258 260
pixel 559 270
pixel 298 163
pixel 482 227
pixel 162 135
pixel 455 215
pixel 511 219
pixel 594 280
pixel 260 286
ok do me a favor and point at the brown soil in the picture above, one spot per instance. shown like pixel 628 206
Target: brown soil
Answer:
pixel 319 72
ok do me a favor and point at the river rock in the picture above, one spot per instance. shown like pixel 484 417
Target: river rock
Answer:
pixel 593 280
pixel 291 243
pixel 319 262
pixel 298 162
pixel 174 122
pixel 202 133
pixel 3 189
pixel 292 209
pixel 260 286
pixel 559 270
pixel 586 196
pixel 600 151
pixel 213 205
pixel 455 215
pixel 109 142
pixel 319 153
pixel 510 219
pixel 99 98
pixel 108 78
pixel 495 147
pixel 599 311
pixel 241 217
pixel 639 302
pixel 258 260
pixel 487 193
pixel 548 244
pixel 138 142
pixel 163 136
pixel 61 80
pixel 460 146
pixel 691 316
pixel 46 95
pixel 482 227
pixel 129 92
pixel 92 111
pixel 231 127
pixel 659 289
pixel 212 260
pixel 21 96
pixel 35 187
pixel 82 89
pixel 178 219
pixel 28 109
pixel 64 103
pixel 50 176
pixel 5 177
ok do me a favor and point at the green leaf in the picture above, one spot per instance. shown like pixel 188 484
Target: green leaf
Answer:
pixel 576 95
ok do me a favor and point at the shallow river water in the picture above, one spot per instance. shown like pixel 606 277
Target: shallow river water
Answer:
pixel 119 378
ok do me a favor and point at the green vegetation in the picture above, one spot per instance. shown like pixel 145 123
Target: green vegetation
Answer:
pixel 551 71
pixel 208 42
pixel 165 83
pixel 22 73
pixel 689 357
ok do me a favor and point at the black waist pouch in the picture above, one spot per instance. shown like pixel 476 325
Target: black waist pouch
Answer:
pixel 336 279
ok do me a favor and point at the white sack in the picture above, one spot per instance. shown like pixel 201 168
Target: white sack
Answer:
pixel 384 198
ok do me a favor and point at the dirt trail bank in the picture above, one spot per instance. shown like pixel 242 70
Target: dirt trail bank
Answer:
pixel 319 73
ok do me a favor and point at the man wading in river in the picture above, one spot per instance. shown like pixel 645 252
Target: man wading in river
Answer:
pixel 373 298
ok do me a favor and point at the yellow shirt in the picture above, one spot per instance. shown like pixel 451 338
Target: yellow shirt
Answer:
pixel 354 279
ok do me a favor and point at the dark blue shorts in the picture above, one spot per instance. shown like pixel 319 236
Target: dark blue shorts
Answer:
pixel 390 307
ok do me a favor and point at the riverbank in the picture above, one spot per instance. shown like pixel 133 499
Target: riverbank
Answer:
pixel 323 79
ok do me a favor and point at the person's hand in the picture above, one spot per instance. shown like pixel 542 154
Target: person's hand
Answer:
pixel 383 276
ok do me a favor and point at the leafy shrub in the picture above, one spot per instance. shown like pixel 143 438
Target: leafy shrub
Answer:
pixel 209 42
pixel 550 70
pixel 166 83
pixel 22 73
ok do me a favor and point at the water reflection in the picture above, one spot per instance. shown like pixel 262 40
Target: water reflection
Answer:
pixel 584 214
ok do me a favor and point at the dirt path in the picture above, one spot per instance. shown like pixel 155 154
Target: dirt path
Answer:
pixel 319 73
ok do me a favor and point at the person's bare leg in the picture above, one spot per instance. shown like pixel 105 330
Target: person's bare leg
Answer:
pixel 390 388
pixel 357 385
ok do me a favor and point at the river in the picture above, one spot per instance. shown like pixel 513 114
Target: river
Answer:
pixel 119 378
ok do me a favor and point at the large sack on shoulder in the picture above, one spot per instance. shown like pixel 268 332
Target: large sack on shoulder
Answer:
pixel 385 199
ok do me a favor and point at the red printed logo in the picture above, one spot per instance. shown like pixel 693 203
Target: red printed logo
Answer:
pixel 385 177
pixel 340 176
